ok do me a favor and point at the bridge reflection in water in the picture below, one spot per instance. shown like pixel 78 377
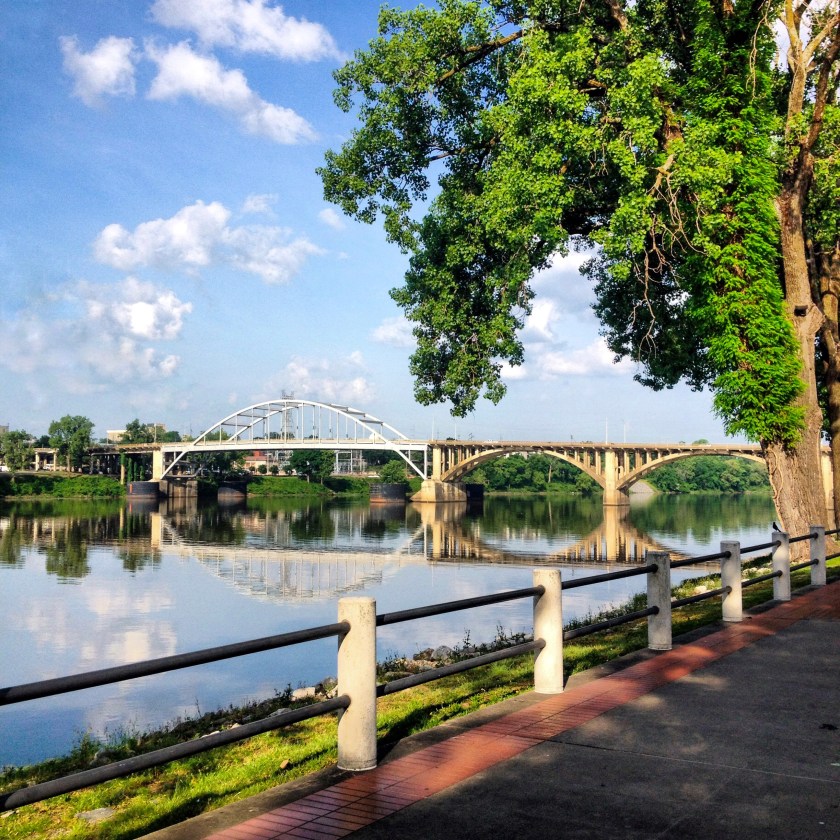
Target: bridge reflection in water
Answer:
pixel 264 563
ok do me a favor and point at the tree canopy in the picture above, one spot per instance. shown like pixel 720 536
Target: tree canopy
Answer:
pixel 71 437
pixel 17 450
pixel 668 136
pixel 312 463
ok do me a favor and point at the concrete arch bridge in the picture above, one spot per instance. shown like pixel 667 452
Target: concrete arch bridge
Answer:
pixel 615 467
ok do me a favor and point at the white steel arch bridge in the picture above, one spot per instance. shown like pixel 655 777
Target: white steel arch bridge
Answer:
pixel 290 424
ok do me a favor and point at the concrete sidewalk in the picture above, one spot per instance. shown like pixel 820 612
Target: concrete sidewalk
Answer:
pixel 734 733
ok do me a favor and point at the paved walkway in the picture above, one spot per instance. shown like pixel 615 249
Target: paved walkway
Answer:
pixel 732 734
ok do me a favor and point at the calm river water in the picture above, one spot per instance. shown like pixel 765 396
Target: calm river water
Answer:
pixel 89 585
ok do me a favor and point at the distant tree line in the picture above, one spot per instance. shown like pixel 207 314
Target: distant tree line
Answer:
pixel 537 473
pixel 710 473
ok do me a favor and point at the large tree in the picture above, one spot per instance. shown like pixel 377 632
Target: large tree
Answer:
pixel 17 450
pixel 670 136
pixel 71 437
pixel 313 463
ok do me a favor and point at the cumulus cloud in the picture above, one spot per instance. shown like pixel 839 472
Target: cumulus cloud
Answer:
pixel 545 314
pixel 198 236
pixel 259 203
pixel 268 252
pixel 92 336
pixel 331 218
pixel 342 381
pixel 107 70
pixel 184 72
pixel 394 331
pixel 592 360
pixel 186 239
pixel 248 26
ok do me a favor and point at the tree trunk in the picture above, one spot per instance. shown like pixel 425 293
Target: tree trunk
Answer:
pixel 796 471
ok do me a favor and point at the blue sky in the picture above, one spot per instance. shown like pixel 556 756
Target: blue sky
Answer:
pixel 166 252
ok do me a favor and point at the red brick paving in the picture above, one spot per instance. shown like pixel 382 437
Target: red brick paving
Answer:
pixel 360 800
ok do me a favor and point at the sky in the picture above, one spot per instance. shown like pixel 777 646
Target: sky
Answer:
pixel 166 252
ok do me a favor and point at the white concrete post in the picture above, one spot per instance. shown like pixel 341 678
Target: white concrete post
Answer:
pixel 357 679
pixel 818 573
pixel 781 563
pixel 548 626
pixel 659 595
pixel 730 576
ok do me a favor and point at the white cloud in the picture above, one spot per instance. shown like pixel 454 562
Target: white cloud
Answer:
pixel 395 332
pixel 139 309
pixel 186 239
pixel 259 203
pixel 514 372
pixel 593 360
pixel 341 381
pixel 108 69
pixel 184 72
pixel 329 217
pixel 268 252
pixel 248 26
pixel 199 236
pixel 91 336
pixel 544 314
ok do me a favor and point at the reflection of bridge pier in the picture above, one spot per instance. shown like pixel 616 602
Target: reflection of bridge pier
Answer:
pixel 614 540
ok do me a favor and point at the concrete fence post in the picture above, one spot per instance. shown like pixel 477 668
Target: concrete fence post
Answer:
pixel 818 571
pixel 357 679
pixel 781 563
pixel 548 626
pixel 730 577
pixel 659 595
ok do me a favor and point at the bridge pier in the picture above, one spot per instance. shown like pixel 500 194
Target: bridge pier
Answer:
pixel 437 491
pixel 613 493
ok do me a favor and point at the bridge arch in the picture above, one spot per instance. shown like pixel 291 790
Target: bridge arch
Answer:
pixel 628 479
pixel 472 462
pixel 289 423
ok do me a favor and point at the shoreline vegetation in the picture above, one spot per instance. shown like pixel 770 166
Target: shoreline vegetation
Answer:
pixel 131 807
pixel 514 475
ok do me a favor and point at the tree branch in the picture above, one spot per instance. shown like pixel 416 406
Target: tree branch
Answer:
pixel 479 51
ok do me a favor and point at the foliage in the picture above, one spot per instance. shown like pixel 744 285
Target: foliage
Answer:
pixel 650 131
pixel 312 463
pixel 710 473
pixel 137 432
pixel 71 437
pixel 534 472
pixel 16 450
pixel 283 486
pixel 60 486
pixel 393 472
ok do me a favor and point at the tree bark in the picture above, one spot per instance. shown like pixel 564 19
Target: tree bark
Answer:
pixel 796 471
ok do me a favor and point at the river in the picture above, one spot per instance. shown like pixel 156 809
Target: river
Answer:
pixel 87 585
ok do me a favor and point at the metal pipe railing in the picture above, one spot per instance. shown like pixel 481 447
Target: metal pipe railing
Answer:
pixel 106 676
pixel 357 651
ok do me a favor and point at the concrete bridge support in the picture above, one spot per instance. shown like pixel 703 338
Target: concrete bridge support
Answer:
pixel 613 494
pixel 435 490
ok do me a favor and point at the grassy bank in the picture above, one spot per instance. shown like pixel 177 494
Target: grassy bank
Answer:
pixel 59 485
pixel 147 801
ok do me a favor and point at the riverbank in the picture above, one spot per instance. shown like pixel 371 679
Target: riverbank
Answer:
pixel 61 485
pixel 147 801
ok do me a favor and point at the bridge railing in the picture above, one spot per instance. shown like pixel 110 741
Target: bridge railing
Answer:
pixel 357 690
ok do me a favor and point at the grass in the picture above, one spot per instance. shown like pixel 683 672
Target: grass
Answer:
pixel 170 794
